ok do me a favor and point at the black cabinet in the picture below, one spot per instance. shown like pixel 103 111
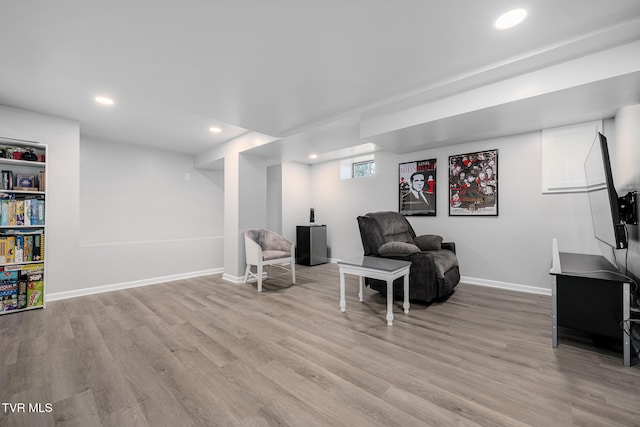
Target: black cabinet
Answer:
pixel 590 295
pixel 311 244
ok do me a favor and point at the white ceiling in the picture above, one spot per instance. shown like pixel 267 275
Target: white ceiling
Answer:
pixel 284 68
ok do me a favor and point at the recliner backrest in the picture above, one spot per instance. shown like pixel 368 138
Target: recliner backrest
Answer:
pixel 393 226
pixel 378 228
pixel 370 234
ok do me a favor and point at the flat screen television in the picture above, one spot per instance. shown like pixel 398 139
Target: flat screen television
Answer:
pixel 603 198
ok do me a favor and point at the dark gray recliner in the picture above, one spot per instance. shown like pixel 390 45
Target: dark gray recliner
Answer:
pixel 434 265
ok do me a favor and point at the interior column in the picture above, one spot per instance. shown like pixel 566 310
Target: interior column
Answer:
pixel 245 206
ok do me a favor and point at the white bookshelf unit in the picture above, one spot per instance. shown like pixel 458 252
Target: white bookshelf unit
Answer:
pixel 23 184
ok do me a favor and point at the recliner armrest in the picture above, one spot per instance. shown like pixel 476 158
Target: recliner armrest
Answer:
pixel 428 242
pixel 450 246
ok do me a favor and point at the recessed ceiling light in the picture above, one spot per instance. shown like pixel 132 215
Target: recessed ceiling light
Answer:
pixel 510 19
pixel 215 129
pixel 313 156
pixel 103 100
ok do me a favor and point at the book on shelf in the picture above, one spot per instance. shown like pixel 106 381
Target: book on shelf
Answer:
pixel 24 210
pixel 34 211
pixel 21 245
pixel 13 293
pixel 41 180
pixel 40 212
pixel 38 247
pixel 18 251
pixel 4 214
pixel 11 249
pixel 21 287
pixel 8 290
pixel 19 212
pixel 27 212
pixel 28 247
pixel 11 214
pixel 35 288
pixel 22 293
pixel 7 180
pixel 33 274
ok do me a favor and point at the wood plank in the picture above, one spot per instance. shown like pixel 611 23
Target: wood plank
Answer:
pixel 204 351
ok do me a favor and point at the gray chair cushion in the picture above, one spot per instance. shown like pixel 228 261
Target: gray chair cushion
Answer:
pixel 269 241
pixel 444 261
pixel 429 242
pixel 254 234
pixel 269 255
pixel 274 242
pixel 398 248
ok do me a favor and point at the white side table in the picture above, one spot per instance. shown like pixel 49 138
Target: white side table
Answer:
pixel 376 268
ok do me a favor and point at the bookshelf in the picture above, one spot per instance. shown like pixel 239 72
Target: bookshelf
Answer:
pixel 23 178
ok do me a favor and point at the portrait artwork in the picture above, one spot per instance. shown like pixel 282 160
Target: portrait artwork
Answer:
pixel 417 182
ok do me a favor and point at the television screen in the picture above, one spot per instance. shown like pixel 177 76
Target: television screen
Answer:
pixel 603 197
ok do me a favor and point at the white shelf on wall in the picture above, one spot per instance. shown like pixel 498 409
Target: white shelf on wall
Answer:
pixel 15 162
pixel 22 282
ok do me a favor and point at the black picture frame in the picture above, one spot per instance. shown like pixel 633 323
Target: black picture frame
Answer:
pixel 473 184
pixel 417 188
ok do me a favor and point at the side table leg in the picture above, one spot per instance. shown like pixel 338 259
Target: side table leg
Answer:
pixel 389 302
pixel 343 301
pixel 406 293
pixel 361 288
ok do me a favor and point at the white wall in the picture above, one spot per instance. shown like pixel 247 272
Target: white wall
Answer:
pixel 143 217
pixel 122 225
pixel 625 159
pixel 511 250
pixel 274 198
pixel 297 198
pixel 62 137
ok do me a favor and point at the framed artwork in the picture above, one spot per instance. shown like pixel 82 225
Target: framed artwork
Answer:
pixel 473 184
pixel 417 181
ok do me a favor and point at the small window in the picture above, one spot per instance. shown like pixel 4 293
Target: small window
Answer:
pixel 357 167
pixel 361 169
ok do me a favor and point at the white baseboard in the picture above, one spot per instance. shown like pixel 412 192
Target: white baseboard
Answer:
pixel 252 278
pixel 240 279
pixel 232 279
pixel 493 284
pixel 505 285
pixel 126 285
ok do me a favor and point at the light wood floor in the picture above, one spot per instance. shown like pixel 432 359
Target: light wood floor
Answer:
pixel 205 352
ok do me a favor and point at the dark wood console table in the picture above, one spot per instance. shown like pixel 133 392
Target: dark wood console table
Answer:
pixel 589 294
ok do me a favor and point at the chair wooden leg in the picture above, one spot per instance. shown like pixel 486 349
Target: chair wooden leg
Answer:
pixel 246 273
pixel 259 277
